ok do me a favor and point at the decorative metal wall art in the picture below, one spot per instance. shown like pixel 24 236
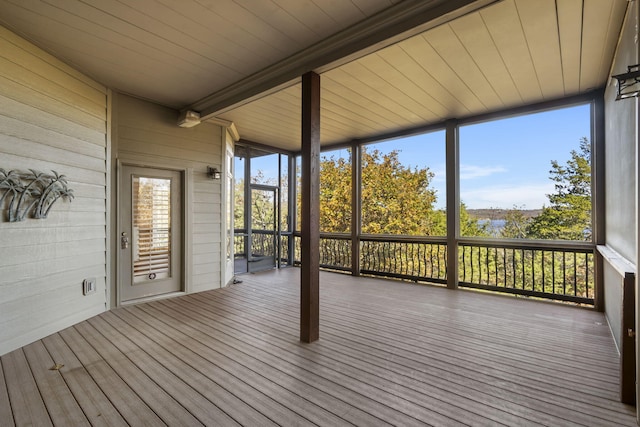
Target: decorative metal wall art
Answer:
pixel 31 194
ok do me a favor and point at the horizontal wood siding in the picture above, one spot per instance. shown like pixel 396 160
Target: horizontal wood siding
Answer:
pixel 51 118
pixel 147 134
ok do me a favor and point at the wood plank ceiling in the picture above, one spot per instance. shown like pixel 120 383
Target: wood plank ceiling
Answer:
pixel 510 53
pixel 176 52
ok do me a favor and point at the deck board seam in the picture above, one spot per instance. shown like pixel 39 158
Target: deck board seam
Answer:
pixel 116 371
pixel 375 335
pixel 86 371
pixel 167 367
pixel 327 309
pixel 111 371
pixel 387 380
pixel 6 390
pixel 276 355
pixel 141 366
pixel 209 361
pixel 234 337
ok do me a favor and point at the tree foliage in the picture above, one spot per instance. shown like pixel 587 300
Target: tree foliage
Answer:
pixel 335 194
pixel 515 225
pixel 568 216
pixel 396 199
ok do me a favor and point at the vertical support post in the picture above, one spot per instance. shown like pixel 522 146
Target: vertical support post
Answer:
pixel 310 226
pixel 598 190
pixel 292 209
pixel 453 202
pixel 278 236
pixel 248 241
pixel 356 207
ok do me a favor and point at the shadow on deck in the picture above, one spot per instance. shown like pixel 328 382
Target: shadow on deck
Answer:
pixel 389 353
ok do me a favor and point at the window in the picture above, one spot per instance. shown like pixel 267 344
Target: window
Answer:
pixel 404 186
pixel 528 176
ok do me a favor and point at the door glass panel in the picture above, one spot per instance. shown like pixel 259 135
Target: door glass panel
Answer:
pixel 151 228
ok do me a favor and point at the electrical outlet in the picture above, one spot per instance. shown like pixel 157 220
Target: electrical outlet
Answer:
pixel 89 286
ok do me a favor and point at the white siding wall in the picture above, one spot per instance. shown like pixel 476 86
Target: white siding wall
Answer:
pixel 621 180
pixel 51 118
pixel 620 169
pixel 147 134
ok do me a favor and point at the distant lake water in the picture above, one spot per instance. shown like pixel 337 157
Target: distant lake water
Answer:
pixel 494 224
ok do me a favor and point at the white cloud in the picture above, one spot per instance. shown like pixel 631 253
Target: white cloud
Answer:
pixel 506 196
pixel 440 172
pixel 473 171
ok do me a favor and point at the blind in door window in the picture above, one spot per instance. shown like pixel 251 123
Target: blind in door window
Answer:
pixel 151 228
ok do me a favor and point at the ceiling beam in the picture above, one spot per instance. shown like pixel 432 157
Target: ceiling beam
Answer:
pixel 398 22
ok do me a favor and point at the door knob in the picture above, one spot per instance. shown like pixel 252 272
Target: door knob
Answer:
pixel 124 240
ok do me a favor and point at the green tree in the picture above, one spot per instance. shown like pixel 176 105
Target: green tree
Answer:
pixel 568 216
pixel 335 194
pixel 397 199
pixel 470 226
pixel 516 224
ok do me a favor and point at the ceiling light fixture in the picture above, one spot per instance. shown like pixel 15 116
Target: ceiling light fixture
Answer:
pixel 188 119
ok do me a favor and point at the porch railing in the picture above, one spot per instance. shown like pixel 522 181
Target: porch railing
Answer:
pixel 335 252
pixel 409 258
pixel 262 244
pixel 562 271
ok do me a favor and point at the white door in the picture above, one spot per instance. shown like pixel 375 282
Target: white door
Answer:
pixel 150 232
pixel 229 223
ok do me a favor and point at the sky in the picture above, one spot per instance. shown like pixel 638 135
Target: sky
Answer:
pixel 503 163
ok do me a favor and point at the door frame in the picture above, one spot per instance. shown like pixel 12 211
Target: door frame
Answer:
pixel 228 271
pixel 186 227
pixel 276 226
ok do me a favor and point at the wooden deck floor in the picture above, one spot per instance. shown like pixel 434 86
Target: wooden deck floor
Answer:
pixel 389 353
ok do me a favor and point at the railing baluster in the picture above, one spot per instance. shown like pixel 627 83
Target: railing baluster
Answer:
pixel 480 264
pixel 564 273
pixel 464 263
pixel 495 260
pixel 553 271
pixel 376 260
pixel 415 253
pixel 522 258
pixel 586 273
pixel 533 270
pixel 486 260
pixel 575 275
pixel 428 263
pixel 544 285
pixel 513 267
pixel 504 263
